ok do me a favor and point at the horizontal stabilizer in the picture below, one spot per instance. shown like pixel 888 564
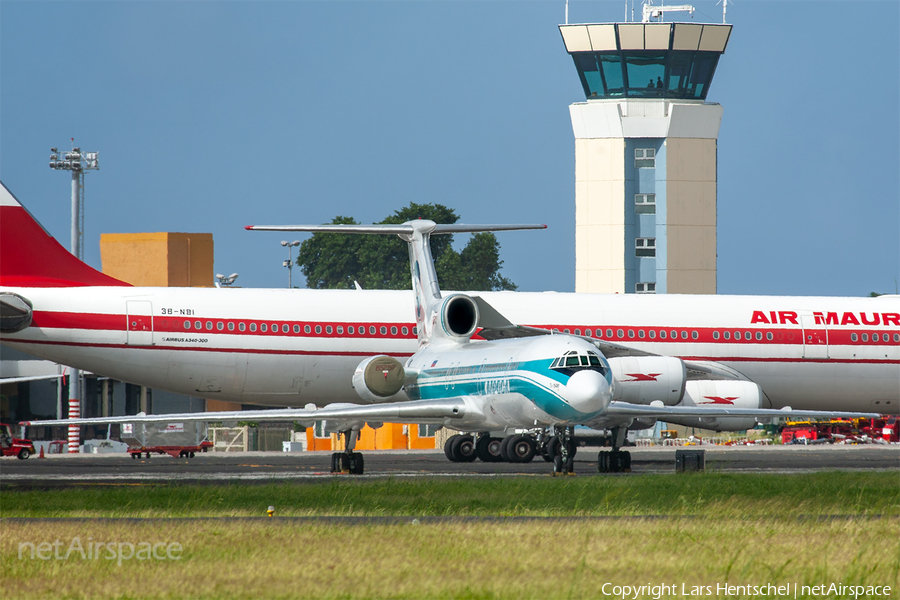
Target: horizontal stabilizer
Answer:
pixel 402 229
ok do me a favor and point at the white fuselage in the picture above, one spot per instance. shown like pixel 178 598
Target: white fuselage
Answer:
pixel 804 352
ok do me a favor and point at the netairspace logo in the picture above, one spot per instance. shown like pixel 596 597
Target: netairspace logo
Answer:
pixel 117 551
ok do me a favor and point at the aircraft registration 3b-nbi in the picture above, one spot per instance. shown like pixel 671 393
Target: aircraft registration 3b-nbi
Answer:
pixel 456 360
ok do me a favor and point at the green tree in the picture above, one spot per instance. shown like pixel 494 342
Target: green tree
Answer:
pixel 334 261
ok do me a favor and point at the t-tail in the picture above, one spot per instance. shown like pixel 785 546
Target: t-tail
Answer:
pixel 454 318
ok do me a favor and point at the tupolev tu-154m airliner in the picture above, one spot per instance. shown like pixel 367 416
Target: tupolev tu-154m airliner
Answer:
pixel 611 362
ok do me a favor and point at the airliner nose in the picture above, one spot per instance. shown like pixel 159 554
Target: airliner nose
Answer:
pixel 588 391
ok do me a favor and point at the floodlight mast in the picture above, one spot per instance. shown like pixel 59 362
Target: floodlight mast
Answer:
pixel 78 162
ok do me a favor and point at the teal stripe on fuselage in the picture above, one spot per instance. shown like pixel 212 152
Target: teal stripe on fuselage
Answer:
pixel 518 382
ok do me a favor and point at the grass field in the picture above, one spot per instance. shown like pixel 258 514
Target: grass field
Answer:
pixel 699 530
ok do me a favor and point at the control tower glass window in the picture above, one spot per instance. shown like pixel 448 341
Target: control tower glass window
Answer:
pixel 679 74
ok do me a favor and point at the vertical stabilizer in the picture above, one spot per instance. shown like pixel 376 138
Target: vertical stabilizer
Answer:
pixel 31 257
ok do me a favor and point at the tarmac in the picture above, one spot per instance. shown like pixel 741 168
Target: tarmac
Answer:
pixel 264 467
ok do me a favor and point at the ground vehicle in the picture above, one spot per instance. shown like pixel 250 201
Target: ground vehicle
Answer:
pixel 13 446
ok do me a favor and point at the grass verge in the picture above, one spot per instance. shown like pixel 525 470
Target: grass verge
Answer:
pixel 708 494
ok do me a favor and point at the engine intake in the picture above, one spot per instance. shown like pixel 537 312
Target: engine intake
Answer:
pixel 459 316
pixel 15 312
pixel 378 377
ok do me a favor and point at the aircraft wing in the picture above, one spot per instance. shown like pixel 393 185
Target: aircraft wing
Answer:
pixel 625 409
pixel 394 412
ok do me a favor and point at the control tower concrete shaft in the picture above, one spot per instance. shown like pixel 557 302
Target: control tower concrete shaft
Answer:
pixel 645 156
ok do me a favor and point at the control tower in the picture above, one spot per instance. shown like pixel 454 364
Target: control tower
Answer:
pixel 645 156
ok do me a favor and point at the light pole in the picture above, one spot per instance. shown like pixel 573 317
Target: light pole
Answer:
pixel 78 162
pixel 289 263
pixel 225 281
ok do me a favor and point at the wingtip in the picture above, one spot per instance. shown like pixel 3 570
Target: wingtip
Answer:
pixel 249 227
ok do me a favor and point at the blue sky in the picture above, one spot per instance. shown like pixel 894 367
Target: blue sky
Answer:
pixel 209 116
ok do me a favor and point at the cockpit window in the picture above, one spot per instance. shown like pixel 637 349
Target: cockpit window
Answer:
pixel 572 361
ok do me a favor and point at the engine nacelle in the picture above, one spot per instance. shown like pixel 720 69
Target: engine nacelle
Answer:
pixel 378 377
pixel 459 317
pixel 724 393
pixel 15 312
pixel 643 379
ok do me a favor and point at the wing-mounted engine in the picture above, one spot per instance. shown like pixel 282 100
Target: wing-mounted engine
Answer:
pixel 15 312
pixel 720 394
pixel 377 378
pixel 645 379
pixel 458 316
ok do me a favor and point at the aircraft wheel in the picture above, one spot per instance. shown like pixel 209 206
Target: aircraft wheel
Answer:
pixel 504 449
pixel 520 449
pixel 463 449
pixel 24 453
pixel 356 464
pixel 448 447
pixel 558 465
pixel 488 449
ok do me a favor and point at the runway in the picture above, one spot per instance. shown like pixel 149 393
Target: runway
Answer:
pixel 265 467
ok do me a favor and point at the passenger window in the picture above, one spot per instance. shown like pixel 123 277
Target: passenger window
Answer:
pixel 198 325
pixel 865 337
pixel 609 333
pixel 694 335
pixel 285 328
pixel 684 335
pixel 590 333
pixel 853 337
pixel 652 334
pixel 577 332
pixel 220 326
pixel 252 326
pixel 715 335
pixel 263 327
pixel 726 335
pixel 350 329
pixel 307 329
pixel 187 324
pixel 209 325
pixel 340 329
pixel 674 334
pixel 241 326
pixel 405 330
pixel 759 335
pixel 296 329
pixel 393 330
pixel 371 330
pixel 383 330
pixel 230 326
pixel 747 336
pixel 769 335
pixel 328 329
pixel 662 334
pixel 641 333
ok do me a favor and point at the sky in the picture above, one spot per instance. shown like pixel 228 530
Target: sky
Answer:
pixel 209 116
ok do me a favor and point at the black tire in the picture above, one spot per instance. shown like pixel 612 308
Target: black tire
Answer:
pixel 357 463
pixel 463 449
pixel 148 455
pixel 488 449
pixel 557 465
pixel 448 447
pixel 551 448
pixel 336 462
pixel 603 461
pixel 521 449
pixel 191 455
pixel 626 462
pixel 133 455
pixel 504 448
pixel 23 453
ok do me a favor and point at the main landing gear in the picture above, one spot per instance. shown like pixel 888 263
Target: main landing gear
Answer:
pixel 516 448
pixel 348 461
pixel 615 460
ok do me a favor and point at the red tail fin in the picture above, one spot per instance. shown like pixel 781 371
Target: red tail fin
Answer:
pixel 31 257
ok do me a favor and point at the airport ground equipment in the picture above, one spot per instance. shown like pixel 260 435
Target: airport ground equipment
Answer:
pixel 13 446
pixel 178 440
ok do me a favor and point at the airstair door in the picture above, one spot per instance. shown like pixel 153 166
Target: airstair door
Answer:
pixel 815 337
pixel 139 314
